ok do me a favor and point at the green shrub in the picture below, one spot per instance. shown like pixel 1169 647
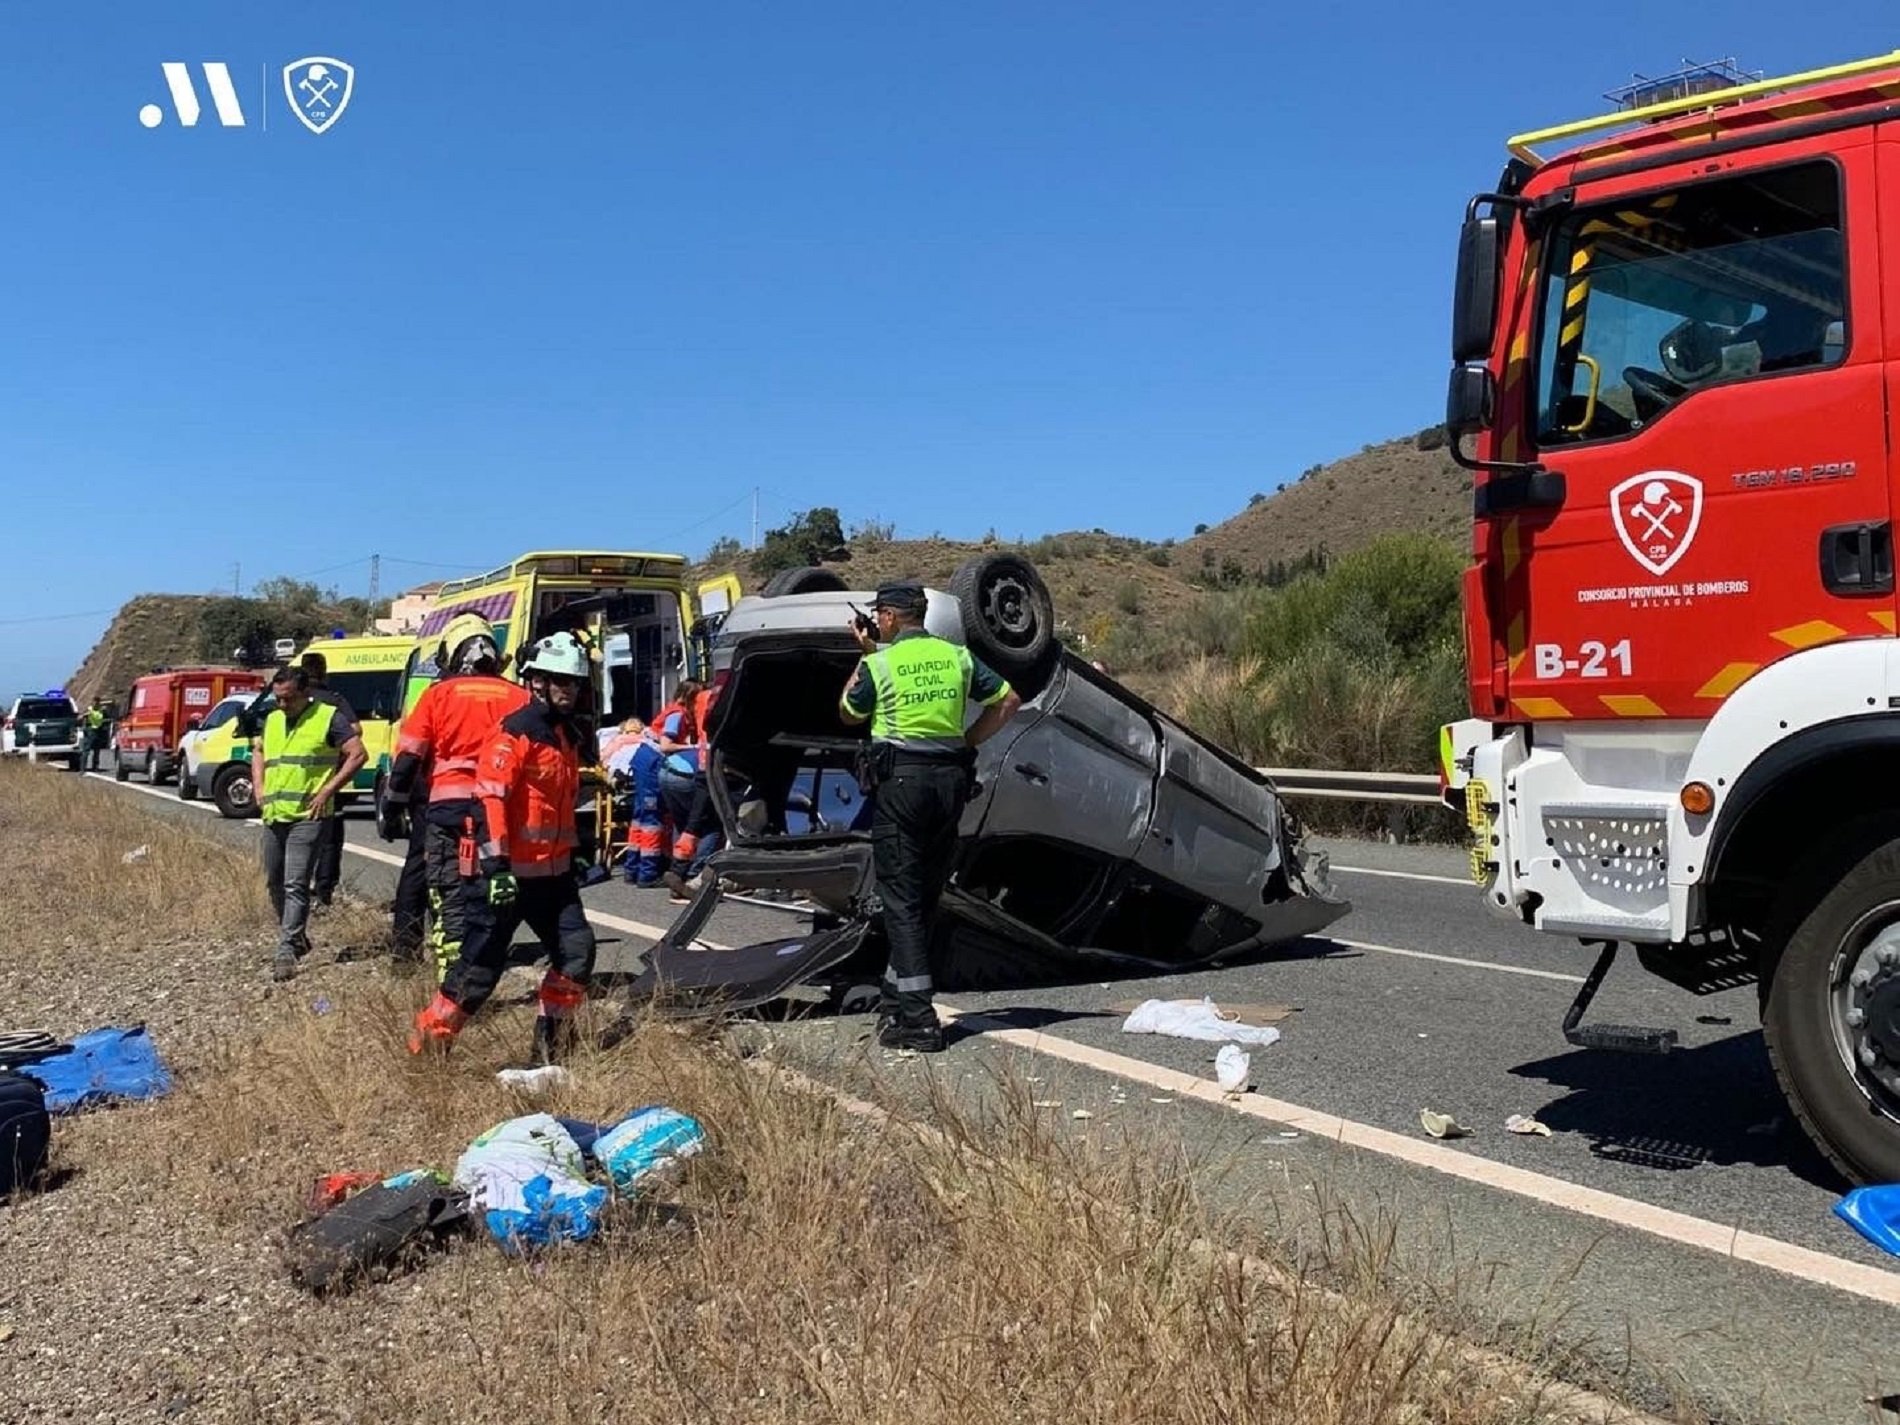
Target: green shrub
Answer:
pixel 1160 557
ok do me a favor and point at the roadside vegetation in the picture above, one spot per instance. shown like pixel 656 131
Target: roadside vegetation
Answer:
pixel 817 1263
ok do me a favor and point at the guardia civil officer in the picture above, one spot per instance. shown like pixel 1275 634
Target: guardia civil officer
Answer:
pixel 915 691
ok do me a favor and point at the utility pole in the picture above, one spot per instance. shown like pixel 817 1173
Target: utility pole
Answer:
pixel 755 517
pixel 375 581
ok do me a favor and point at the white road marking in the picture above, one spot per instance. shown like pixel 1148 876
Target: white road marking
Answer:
pixel 1464 881
pixel 389 858
pixel 1460 960
pixel 1874 1283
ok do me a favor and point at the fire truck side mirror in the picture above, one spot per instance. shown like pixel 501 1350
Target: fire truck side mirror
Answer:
pixel 1475 300
pixel 1468 400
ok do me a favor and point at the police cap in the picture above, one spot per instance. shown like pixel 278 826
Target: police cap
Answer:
pixel 902 595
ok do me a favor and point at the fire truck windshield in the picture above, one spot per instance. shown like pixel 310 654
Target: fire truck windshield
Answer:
pixel 1653 297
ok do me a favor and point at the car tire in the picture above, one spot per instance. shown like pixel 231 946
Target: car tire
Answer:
pixel 187 784
pixel 1856 1126
pixel 232 791
pixel 809 580
pixel 120 772
pixel 1009 620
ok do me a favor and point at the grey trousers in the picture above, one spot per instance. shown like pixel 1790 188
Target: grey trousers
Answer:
pixel 290 864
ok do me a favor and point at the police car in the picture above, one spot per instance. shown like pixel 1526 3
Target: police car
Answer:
pixel 44 725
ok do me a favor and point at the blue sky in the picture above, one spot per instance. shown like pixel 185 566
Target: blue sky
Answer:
pixel 592 279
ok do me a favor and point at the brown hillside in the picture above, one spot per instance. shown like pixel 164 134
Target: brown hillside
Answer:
pixel 1395 486
pixel 150 631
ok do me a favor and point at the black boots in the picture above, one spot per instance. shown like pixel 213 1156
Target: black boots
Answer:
pixel 553 1038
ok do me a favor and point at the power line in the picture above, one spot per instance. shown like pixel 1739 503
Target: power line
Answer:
pixel 56 618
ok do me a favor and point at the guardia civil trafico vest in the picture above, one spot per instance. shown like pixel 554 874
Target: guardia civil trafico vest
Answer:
pixel 923 686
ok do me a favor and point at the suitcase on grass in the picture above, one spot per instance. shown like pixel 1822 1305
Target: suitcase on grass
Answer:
pixel 25 1131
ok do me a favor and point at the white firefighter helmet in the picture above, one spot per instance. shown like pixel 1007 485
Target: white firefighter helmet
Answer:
pixel 559 654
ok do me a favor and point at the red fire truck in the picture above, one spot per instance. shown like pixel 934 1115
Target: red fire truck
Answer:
pixel 1676 342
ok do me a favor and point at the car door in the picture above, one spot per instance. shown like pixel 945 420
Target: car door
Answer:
pixel 1075 767
pixel 1215 832
pixel 1708 381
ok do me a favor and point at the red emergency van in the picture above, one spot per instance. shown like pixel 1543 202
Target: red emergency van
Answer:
pixel 162 708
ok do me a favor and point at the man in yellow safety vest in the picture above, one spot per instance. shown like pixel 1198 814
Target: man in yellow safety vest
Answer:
pixel 309 750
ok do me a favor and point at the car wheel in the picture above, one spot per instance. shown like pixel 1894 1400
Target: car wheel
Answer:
pixel 1009 620
pixel 187 784
pixel 1831 1017
pixel 120 772
pixel 809 580
pixel 232 791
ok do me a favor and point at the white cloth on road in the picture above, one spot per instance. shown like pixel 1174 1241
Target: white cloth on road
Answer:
pixel 1182 1019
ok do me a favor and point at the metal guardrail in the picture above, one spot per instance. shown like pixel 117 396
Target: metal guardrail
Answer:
pixel 1406 787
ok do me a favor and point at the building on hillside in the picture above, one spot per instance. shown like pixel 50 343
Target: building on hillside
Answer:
pixel 409 608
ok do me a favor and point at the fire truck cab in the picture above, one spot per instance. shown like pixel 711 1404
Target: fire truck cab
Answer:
pixel 1677 345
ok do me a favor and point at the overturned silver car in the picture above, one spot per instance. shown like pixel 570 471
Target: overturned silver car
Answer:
pixel 1103 833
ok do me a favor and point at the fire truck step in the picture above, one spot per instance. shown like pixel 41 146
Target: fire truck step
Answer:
pixel 1621 1038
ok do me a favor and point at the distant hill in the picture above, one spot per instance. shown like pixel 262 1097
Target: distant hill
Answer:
pixel 150 631
pixel 1407 485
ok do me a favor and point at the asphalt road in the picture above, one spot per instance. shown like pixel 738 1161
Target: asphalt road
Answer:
pixel 1624 1236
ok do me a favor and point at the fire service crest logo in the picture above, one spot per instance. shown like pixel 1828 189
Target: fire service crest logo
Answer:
pixel 1657 514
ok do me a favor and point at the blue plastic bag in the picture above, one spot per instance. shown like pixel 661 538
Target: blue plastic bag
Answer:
pixel 1874 1212
pixel 646 1143
pixel 102 1066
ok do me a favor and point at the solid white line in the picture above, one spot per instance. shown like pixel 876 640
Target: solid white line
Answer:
pixel 389 858
pixel 1874 1283
pixel 1460 960
pixel 1464 881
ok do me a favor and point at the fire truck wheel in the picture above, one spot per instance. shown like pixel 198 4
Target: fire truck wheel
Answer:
pixel 1831 1013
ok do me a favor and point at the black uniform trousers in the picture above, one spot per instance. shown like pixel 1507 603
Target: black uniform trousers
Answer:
pixel 550 906
pixel 913 848
pixel 410 914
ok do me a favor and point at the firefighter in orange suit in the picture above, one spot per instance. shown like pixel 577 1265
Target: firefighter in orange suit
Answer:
pixel 528 781
pixel 442 739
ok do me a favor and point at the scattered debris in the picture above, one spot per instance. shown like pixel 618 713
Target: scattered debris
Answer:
pixel 1874 1212
pixel 1765 1130
pixel 1160 1100
pixel 1196 1019
pixel 1047 1103
pixel 1525 1124
pixel 136 855
pixel 535 1081
pixel 1441 1125
pixel 373 1229
pixel 1287 1133
pixel 6 1333
pixel 647 1148
pixel 99 1067
pixel 1081 1113
pixel 321 1005
pixel 1231 1066
pixel 528 1181
pixel 1715 1019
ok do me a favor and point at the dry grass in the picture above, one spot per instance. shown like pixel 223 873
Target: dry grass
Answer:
pixel 821 1266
